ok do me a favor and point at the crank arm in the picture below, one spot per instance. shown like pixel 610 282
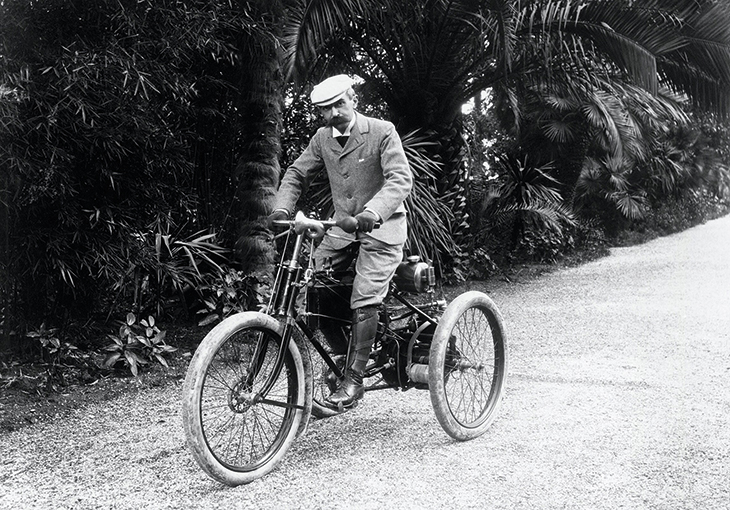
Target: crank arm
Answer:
pixel 276 403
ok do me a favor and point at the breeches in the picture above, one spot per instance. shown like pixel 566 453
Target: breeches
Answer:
pixel 375 266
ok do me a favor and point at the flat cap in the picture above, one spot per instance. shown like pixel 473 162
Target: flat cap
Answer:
pixel 331 90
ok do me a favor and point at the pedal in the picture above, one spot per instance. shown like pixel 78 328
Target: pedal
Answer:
pixel 342 408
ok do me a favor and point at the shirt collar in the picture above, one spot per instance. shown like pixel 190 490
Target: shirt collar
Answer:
pixel 348 129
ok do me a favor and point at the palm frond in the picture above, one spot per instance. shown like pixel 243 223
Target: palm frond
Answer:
pixel 684 44
pixel 558 130
pixel 590 180
pixel 527 194
pixel 552 216
pixel 605 25
pixel 312 24
pixel 430 219
pixel 630 205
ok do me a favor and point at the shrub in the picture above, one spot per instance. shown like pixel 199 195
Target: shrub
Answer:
pixel 522 214
pixel 55 352
pixel 137 343
pixel 674 214
pixel 481 265
pixel 230 292
pixel 61 361
pixel 168 265
pixel 114 118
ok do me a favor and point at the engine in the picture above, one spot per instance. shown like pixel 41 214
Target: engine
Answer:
pixel 414 276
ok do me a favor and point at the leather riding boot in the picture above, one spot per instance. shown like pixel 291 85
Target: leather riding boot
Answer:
pixel 364 328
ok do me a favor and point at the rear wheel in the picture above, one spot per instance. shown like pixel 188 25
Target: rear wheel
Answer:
pixel 235 434
pixel 468 365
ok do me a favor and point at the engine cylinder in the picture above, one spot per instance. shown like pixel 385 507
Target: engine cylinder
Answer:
pixel 415 276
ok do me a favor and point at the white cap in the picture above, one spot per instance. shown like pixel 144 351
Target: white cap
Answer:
pixel 331 90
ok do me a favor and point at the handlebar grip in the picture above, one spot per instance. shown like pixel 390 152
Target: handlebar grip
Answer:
pixel 348 224
pixel 301 222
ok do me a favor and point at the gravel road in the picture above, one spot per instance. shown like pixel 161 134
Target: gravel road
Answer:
pixel 618 397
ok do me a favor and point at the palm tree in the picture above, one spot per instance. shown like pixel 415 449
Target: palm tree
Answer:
pixel 402 50
pixel 259 108
pixel 426 59
pixel 527 197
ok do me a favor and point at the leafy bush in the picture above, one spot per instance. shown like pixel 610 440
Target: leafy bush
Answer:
pixel 609 182
pixel 115 118
pixel 522 213
pixel 230 292
pixel 167 265
pixel 55 352
pixel 481 264
pixel 62 362
pixel 672 215
pixel 137 343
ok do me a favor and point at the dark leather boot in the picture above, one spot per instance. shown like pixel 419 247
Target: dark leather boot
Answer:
pixel 364 328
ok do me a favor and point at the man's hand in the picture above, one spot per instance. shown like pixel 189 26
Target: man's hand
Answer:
pixel 366 221
pixel 276 216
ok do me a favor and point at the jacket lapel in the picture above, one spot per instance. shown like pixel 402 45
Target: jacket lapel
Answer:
pixel 357 137
pixel 332 143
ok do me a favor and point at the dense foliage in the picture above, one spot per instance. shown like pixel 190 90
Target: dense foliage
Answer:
pixel 141 140
pixel 580 86
pixel 117 130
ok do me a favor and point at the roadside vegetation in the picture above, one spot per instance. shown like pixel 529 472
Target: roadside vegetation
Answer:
pixel 141 142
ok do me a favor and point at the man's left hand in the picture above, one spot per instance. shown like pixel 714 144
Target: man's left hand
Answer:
pixel 366 221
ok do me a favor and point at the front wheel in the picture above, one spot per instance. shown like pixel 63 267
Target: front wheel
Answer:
pixel 235 434
pixel 468 365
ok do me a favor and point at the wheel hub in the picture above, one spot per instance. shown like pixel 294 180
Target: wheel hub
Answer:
pixel 465 365
pixel 241 398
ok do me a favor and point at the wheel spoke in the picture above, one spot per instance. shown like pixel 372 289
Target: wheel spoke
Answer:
pixel 466 392
pixel 466 388
pixel 240 432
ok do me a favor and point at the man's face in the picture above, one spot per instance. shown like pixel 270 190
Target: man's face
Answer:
pixel 339 114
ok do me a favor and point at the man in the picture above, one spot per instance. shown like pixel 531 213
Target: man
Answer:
pixel 369 179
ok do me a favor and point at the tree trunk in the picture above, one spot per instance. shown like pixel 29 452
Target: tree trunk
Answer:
pixel 257 172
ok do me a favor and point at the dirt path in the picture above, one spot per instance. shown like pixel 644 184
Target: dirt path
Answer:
pixel 618 397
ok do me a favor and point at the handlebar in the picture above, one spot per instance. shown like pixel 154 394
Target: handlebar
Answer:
pixel 315 229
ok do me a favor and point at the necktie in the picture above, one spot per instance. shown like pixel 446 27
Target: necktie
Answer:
pixel 342 140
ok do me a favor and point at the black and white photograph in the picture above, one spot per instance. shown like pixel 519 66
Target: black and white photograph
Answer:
pixel 365 254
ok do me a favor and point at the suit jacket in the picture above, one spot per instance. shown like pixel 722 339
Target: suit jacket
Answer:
pixel 370 171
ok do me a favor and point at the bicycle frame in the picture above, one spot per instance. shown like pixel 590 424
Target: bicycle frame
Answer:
pixel 283 298
pixel 233 385
pixel 292 277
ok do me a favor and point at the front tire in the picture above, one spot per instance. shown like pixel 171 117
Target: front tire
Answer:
pixel 468 366
pixel 233 437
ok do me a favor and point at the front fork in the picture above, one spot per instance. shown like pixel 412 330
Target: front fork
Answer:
pixel 259 357
pixel 287 284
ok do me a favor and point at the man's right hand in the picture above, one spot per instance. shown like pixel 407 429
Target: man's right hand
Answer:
pixel 277 215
